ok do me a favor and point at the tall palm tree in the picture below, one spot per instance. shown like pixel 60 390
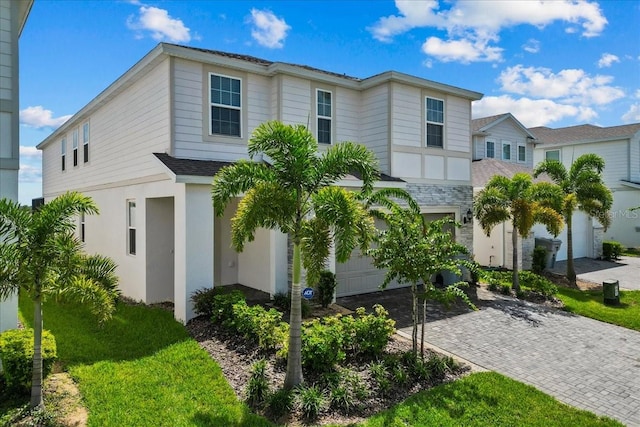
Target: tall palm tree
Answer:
pixel 39 255
pixel 294 193
pixel 584 190
pixel 523 203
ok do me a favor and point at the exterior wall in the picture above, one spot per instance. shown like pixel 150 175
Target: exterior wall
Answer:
pixel 504 131
pixel 489 250
pixel 583 232
pixel 634 158
pixel 625 224
pixel 123 134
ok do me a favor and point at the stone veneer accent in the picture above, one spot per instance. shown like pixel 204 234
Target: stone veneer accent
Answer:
pixel 527 246
pixel 598 238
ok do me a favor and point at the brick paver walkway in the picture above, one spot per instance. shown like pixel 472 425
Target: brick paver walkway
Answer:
pixel 582 362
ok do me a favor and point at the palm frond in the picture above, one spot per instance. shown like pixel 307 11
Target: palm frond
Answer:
pixel 86 291
pixel 102 270
pixel 232 181
pixel 556 171
pixel 348 158
pixel 314 244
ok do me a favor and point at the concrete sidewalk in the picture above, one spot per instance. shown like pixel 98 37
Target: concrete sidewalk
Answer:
pixel 626 271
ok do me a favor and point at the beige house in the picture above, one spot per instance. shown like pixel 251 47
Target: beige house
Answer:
pixel 13 16
pixel 147 147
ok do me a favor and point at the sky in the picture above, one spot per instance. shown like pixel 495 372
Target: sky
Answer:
pixel 554 63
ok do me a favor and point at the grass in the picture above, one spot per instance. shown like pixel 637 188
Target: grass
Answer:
pixel 141 368
pixel 590 304
pixel 631 252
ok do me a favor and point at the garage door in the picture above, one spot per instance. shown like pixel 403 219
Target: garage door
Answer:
pixel 582 238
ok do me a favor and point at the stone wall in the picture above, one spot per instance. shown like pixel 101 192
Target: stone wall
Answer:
pixel 527 246
pixel 598 238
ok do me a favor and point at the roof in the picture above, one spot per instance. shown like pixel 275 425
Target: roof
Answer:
pixel 483 124
pixel 583 133
pixel 484 169
pixel 209 168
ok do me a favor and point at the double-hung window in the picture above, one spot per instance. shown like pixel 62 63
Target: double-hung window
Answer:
pixel 75 147
pixel 324 113
pixel 506 151
pixel 85 142
pixel 131 227
pixel 552 155
pixel 490 150
pixel 226 96
pixel 522 153
pixel 63 153
pixel 435 122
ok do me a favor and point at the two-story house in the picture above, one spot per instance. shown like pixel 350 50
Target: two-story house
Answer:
pixel 147 147
pixel 619 146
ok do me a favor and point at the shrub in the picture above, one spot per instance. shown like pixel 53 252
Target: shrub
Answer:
pixel 282 301
pixel 223 306
pixel 322 344
pixel 539 262
pixel 538 283
pixel 417 368
pixel 280 402
pixel 505 289
pixel 306 308
pixel 203 301
pixel 611 250
pixel 311 401
pixel 258 386
pixel 380 374
pixel 16 353
pixel 326 287
pixel 439 366
pixel 368 334
pixel 257 324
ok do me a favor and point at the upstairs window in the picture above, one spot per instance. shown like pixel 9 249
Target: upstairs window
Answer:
pixel 506 151
pixel 522 153
pixel 225 105
pixel 63 152
pixel 435 122
pixel 324 117
pixel 131 227
pixel 75 147
pixel 552 155
pixel 490 152
pixel 85 142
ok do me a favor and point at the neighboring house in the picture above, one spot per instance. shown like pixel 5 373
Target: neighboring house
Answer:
pixel 501 146
pixel 619 146
pixel 147 147
pixel 13 16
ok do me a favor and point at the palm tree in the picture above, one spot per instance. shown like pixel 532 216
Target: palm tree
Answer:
pixel 523 203
pixel 294 193
pixel 39 255
pixel 583 189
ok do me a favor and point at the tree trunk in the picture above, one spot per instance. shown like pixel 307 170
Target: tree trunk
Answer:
pixel 571 272
pixel 516 276
pixel 424 320
pixel 414 317
pixel 36 378
pixel 294 376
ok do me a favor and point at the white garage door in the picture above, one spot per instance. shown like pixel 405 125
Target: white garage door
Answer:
pixel 582 238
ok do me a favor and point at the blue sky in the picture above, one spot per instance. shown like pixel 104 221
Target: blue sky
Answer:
pixel 556 63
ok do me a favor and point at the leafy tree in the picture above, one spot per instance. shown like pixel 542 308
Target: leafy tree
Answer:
pixel 523 203
pixel 412 250
pixel 584 190
pixel 295 195
pixel 40 255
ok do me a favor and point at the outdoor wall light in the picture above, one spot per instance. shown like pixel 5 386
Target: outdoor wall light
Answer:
pixel 468 217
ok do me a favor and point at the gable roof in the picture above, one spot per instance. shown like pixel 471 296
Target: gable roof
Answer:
pixel 584 133
pixel 484 169
pixel 484 124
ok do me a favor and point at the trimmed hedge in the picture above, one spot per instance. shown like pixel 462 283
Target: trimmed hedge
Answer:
pixel 16 354
pixel 612 250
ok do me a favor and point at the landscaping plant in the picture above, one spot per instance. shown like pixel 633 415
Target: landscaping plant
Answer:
pixel 16 355
pixel 326 287
pixel 611 250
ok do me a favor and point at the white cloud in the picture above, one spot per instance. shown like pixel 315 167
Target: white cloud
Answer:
pixel 532 46
pixel 30 165
pixel 632 115
pixel 268 30
pixel 573 86
pixel 607 59
pixel 464 51
pixel 473 24
pixel 637 94
pixel 37 117
pixel 531 112
pixel 30 152
pixel 160 24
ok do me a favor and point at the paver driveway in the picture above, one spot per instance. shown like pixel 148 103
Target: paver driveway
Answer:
pixel 582 362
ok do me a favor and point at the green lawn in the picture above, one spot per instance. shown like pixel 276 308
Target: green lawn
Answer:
pixel 589 304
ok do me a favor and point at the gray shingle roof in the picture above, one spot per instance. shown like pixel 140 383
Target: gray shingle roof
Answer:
pixel 477 124
pixel 484 169
pixel 583 133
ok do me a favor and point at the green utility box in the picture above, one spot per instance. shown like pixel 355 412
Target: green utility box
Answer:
pixel 611 292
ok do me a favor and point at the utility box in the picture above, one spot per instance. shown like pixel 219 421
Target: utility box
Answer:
pixel 611 292
pixel 552 246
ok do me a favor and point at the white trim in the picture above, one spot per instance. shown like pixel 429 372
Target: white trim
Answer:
pixel 230 107
pixel 505 143
pixel 486 155
pixel 131 225
pixel 428 122
pixel 518 146
pixel 330 118
pixel 559 154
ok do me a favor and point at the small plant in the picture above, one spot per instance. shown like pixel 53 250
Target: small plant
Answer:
pixel 223 306
pixel 204 301
pixel 505 289
pixel 322 344
pixel 380 374
pixel 305 307
pixel 282 301
pixel 539 262
pixel 257 324
pixel 280 402
pixel 440 366
pixel 16 354
pixel 611 250
pixel 258 386
pixel 494 285
pixel 311 401
pixel 521 294
pixel 341 398
pixel 368 334
pixel 326 287
pixel 537 283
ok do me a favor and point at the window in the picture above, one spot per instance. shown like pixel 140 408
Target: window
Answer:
pixel 506 151
pixel 131 227
pixel 85 142
pixel 490 150
pixel 82 226
pixel 522 153
pixel 75 147
pixel 324 116
pixel 435 122
pixel 552 155
pixel 63 152
pixel 225 105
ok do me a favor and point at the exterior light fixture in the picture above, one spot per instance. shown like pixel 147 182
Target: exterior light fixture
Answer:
pixel 468 217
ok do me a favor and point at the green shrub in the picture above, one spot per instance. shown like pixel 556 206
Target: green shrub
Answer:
pixel 311 401
pixel 539 262
pixel 368 334
pixel 322 344
pixel 537 283
pixel 258 385
pixel 611 250
pixel 380 374
pixel 305 307
pixel 493 285
pixel 505 289
pixel 282 301
pixel 417 367
pixel 280 402
pixel 326 287
pixel 223 306
pixel 257 324
pixel 204 302
pixel 439 366
pixel 16 353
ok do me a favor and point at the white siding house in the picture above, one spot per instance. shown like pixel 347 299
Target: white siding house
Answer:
pixel 158 134
pixel 13 16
